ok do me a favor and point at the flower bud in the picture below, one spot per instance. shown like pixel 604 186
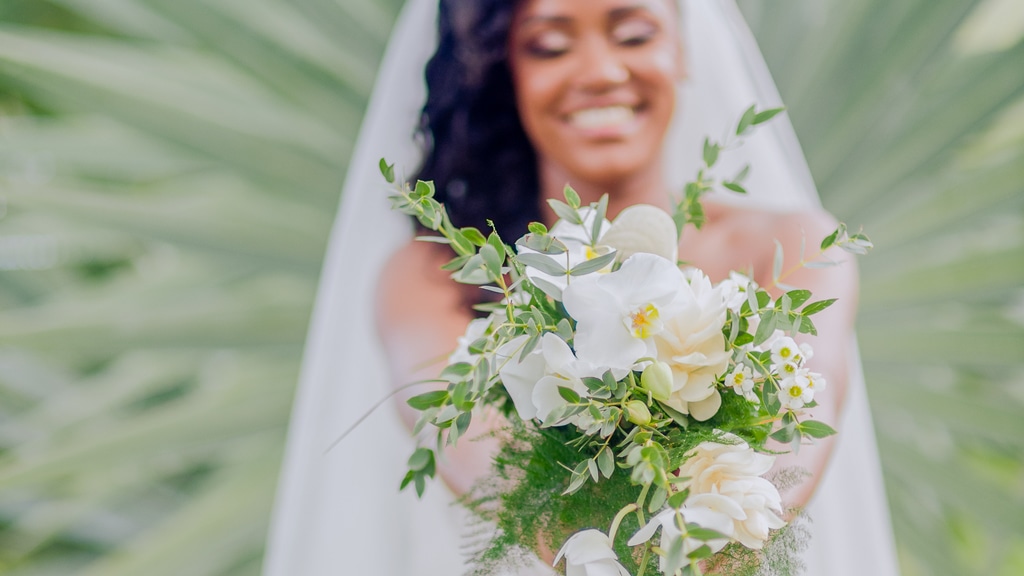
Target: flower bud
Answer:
pixel 657 379
pixel 637 413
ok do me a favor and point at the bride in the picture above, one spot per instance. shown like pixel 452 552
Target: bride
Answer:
pixel 612 96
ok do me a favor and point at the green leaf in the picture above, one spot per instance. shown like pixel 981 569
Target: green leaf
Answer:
pixel 571 197
pixel 599 218
pixel 767 115
pixel 711 151
pixel 388 171
pixel 816 429
pixel 565 212
pixel 769 320
pixel 428 399
pixel 456 372
pixel 798 297
pixel 735 187
pixel 829 240
pixel 492 260
pixel 606 462
pixel 815 307
pixel 593 265
pixel 569 395
pixel 474 236
pixel 545 264
pixel 785 434
pixel 747 120
pixel 420 459
pixel 538 228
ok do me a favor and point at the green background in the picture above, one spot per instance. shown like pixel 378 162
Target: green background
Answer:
pixel 168 175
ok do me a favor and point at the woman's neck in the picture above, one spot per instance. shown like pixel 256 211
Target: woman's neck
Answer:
pixel 643 187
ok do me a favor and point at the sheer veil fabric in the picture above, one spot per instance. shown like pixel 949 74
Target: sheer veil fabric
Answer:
pixel 340 512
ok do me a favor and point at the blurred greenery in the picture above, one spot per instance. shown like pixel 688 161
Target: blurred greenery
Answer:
pixel 168 173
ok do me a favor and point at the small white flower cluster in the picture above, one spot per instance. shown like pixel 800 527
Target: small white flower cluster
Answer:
pixel 798 384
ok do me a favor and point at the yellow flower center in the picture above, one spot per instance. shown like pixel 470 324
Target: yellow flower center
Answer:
pixel 644 321
pixel 796 392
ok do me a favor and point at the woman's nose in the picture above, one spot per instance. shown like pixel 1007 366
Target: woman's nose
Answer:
pixel 600 66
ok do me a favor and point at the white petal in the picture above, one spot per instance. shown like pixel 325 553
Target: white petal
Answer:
pixel 705 409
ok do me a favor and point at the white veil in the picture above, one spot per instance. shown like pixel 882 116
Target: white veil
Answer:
pixel 340 513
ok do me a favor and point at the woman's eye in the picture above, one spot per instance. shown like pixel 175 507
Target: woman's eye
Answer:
pixel 549 44
pixel 634 32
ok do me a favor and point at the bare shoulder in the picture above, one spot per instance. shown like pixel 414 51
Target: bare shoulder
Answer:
pixel 419 310
pixel 739 238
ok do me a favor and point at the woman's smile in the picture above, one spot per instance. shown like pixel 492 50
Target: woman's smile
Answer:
pixel 595 84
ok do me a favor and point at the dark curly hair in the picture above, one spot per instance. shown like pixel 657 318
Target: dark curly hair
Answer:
pixel 475 149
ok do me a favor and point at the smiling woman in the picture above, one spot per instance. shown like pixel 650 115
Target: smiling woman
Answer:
pixel 595 90
pixel 522 98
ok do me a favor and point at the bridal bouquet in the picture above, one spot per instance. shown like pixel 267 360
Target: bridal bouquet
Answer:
pixel 639 395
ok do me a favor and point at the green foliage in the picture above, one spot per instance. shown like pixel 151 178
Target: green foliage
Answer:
pixel 185 158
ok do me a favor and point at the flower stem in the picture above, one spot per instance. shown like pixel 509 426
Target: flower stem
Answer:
pixel 618 520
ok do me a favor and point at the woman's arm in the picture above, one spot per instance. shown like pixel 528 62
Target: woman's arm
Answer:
pixel 420 314
pixel 831 349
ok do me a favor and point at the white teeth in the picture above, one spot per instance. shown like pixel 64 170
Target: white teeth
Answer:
pixel 602 117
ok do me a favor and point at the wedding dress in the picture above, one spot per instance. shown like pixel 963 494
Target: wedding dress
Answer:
pixel 339 512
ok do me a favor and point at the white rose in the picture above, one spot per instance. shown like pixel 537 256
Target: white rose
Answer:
pixel 589 553
pixel 727 478
pixel 692 344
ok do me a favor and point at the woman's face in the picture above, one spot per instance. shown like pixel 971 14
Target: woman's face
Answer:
pixel 595 82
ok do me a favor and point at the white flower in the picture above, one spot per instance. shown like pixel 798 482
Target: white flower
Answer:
pixel 670 532
pixel 741 379
pixel 692 344
pixel 617 313
pixel 533 383
pixel 796 390
pixel 726 478
pixel 735 289
pixel 576 238
pixel 643 228
pixel 562 369
pixel 520 377
pixel 785 350
pixel 589 553
pixel 816 382
pixel 476 330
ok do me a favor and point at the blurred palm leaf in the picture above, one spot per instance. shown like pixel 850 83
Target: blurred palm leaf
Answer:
pixel 164 222
pixel 910 113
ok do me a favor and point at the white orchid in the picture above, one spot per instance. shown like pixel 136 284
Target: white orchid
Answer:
pixel 520 376
pixel 562 369
pixel 590 553
pixel 618 313
pixel 533 383
pixel 692 344
pixel 669 521
pixel 577 240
